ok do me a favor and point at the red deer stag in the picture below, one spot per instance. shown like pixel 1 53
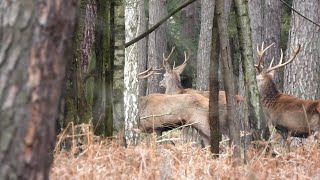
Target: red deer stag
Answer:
pixel 171 82
pixel 287 113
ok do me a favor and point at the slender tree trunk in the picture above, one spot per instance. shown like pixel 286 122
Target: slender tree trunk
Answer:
pixel 302 76
pixel 256 117
pixel 131 93
pixel 35 47
pixel 214 91
pixel 118 38
pixel 142 45
pixel 204 47
pixel 222 12
pixel 157 41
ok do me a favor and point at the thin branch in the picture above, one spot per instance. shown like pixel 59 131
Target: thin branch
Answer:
pixel 158 24
pixel 299 13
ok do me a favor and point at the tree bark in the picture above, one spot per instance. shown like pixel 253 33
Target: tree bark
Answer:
pixel 302 76
pixel 142 45
pixel 36 39
pixel 118 38
pixel 204 47
pixel 222 12
pixel 131 93
pixel 157 42
pixel 214 91
pixel 256 117
pixel 271 34
pixel 78 106
pixel 102 109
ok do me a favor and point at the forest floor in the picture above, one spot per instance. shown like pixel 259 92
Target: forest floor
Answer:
pixel 92 158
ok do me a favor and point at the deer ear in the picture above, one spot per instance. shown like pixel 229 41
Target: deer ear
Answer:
pixel 180 69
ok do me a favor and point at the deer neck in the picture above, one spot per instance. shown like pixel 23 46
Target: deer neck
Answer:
pixel 269 93
pixel 174 89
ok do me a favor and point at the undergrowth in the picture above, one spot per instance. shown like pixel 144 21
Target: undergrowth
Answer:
pixel 90 157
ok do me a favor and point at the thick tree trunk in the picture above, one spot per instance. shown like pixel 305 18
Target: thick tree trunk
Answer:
pixel 131 93
pixel 271 34
pixel 256 117
pixel 157 41
pixel 302 76
pixel 78 108
pixel 35 47
pixel 204 47
pixel 142 45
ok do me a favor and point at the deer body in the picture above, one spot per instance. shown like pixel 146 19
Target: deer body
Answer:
pixel 286 112
pixel 159 109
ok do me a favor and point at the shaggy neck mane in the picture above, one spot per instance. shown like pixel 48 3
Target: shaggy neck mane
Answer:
pixel 269 93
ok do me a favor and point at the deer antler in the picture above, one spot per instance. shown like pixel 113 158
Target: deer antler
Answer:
pixel 149 72
pixel 165 61
pixel 261 51
pixel 186 58
pixel 296 51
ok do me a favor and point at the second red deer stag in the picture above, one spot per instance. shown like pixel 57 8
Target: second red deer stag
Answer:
pixel 287 113
pixel 157 110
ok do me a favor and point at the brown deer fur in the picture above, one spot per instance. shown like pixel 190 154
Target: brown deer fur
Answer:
pixel 287 113
pixel 159 109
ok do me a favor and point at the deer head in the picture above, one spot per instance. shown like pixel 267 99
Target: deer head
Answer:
pixel 171 79
pixel 265 76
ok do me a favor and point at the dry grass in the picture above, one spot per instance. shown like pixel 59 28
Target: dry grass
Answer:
pixel 106 159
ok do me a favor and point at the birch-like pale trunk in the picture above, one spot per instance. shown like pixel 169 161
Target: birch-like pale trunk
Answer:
pixel 131 92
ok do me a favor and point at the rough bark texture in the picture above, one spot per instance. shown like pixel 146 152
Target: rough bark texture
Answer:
pixel 204 47
pixel 131 93
pixel 265 23
pixel 118 36
pixel 302 76
pixel 142 45
pixel 102 110
pixel 78 107
pixel 157 41
pixel 256 118
pixel 36 38
pixel 214 91
pixel 222 12
pixel 271 34
pixel 256 24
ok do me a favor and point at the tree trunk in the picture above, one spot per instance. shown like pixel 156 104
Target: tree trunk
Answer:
pixel 142 45
pixel 78 107
pixel 118 38
pixel 271 34
pixel 256 117
pixel 222 12
pixel 204 47
pixel 214 91
pixel 157 42
pixel 35 47
pixel 302 76
pixel 131 93
pixel 102 109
